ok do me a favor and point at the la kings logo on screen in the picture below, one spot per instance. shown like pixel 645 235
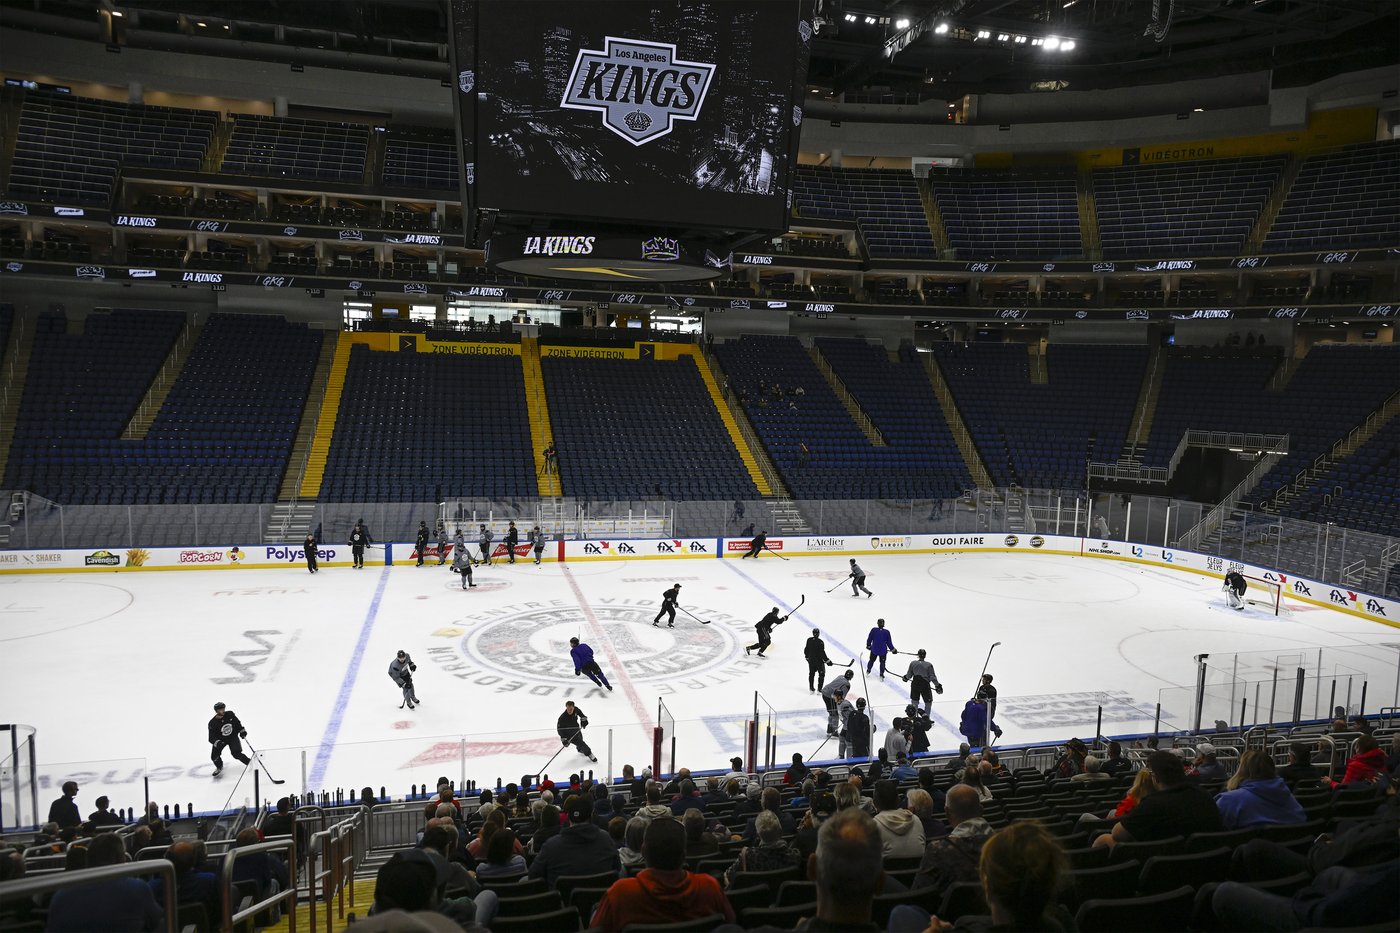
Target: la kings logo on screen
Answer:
pixel 640 87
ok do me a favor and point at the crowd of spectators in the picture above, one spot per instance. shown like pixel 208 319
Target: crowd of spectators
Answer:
pixel 875 848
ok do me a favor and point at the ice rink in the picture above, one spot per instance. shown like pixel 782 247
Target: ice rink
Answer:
pixel 119 671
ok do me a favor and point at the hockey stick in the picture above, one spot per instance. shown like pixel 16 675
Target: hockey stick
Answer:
pixel 693 615
pixel 840 583
pixel 798 606
pixel 262 764
pixel 984 670
pixel 774 553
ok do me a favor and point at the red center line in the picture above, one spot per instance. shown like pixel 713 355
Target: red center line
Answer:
pixel 618 672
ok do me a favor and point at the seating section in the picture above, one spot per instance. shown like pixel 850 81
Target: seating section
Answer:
pixel 1207 388
pixel 885 204
pixel 81 391
pixel 898 397
pixel 841 463
pixel 640 429
pixel 1361 491
pixel 1344 199
pixel 7 320
pixel 69 149
pixel 1008 215
pixel 420 158
pixel 226 429
pixel 423 427
pixel 1182 208
pixel 1044 435
pixel 282 147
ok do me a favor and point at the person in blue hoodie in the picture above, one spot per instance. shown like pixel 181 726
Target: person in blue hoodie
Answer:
pixel 1256 796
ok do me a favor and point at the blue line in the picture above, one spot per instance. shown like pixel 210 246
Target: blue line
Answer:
pixel 762 589
pixel 352 672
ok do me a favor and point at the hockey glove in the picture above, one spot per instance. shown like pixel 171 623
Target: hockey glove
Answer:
pixel 578 673
pixel 938 689
pixel 242 733
pixel 830 663
pixel 582 723
pixel 413 667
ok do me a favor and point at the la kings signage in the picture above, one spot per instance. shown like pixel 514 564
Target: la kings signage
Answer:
pixel 641 88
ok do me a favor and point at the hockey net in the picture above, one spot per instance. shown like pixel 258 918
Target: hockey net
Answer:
pixel 1266 594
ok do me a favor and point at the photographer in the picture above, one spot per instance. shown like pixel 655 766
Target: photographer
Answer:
pixel 401 670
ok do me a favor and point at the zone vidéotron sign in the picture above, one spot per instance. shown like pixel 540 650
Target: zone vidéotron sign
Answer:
pixel 640 87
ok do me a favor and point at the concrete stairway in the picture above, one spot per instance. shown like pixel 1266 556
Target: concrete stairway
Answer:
pixel 140 423
pixel 537 404
pixel 961 435
pixel 848 401
pixel 310 414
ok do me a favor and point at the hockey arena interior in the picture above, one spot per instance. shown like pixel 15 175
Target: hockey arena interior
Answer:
pixel 814 465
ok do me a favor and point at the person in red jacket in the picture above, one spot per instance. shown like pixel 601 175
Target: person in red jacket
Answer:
pixel 663 892
pixel 1366 765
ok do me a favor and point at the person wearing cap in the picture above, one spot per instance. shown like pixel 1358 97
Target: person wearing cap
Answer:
pixel 224 732
pixel 580 848
pixel 858 731
pixel 584 663
pixel 668 605
pixel 736 772
pixel 570 727
pixel 401 670
pixel 1205 768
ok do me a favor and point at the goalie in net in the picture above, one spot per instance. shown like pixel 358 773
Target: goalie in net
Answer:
pixel 1266 593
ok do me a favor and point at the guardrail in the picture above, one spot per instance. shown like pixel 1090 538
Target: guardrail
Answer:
pixel 24 888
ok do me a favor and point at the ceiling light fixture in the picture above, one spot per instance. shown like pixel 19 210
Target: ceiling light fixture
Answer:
pixel 1003 37
pixel 851 17
pixel 1067 45
pixel 870 21
pixel 941 29
pixel 983 34
pixel 901 24
pixel 1052 43
pixel 1020 40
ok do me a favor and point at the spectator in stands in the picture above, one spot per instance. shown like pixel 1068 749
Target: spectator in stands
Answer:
pixel 501 860
pixel 960 762
pixel 713 795
pixel 768 852
pixel 408 896
pixel 771 801
pixel 1115 764
pixel 580 848
pixel 114 904
pixel 663 892
pixel 284 823
pixel 928 781
pixel 797 772
pixel 1072 761
pixel 617 832
pixel 654 807
pixel 1205 768
pixel 1093 771
pixel 630 852
pixel 1339 726
pixel 1392 761
pixel 920 803
pixel 603 810
pixel 139 839
pixel 1142 787
pixel 903 770
pixel 1360 724
pixel 972 777
pixel 102 816
pixel 440 842
pixel 689 799
pixel 547 826
pixel 1176 809
pixel 901 832
pixel 736 772
pixel 954 857
pixel 444 795
pixel 267 872
pixel 160 833
pixel 1256 796
pixel 699 842
pixel 191 887
pixel 1337 897
pixel 64 811
pixel 1367 766
pixel 822 807
pixel 849 872
pixel 1300 769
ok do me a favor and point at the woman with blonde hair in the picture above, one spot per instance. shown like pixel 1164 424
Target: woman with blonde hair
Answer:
pixel 1256 796
pixel 1142 788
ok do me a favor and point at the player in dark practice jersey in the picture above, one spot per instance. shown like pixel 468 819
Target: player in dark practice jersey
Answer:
pixel 422 541
pixel 759 542
pixel 817 661
pixel 668 605
pixel 512 539
pixel 570 727
pixel 359 539
pixel 988 694
pixel 225 731
pixel 764 627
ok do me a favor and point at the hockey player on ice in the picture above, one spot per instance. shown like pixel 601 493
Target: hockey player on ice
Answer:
pixel 224 732
pixel 512 539
pixel 1235 586
pixel 764 627
pixel 879 643
pixel 462 563
pixel 834 686
pixel 536 539
pixel 584 663
pixel 857 577
pixel 923 675
pixel 442 542
pixel 571 724
pixel 484 539
pixel 817 661
pixel 401 669
pixel 668 605
pixel 422 541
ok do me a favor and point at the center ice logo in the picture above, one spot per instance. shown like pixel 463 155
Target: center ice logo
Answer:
pixel 641 88
pixel 527 649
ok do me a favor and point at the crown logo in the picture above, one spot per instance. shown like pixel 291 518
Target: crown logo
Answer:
pixel 661 249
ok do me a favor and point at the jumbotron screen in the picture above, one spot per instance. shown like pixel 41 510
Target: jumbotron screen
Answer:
pixel 674 113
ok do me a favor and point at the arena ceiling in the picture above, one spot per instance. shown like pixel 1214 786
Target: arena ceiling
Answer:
pixel 945 50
